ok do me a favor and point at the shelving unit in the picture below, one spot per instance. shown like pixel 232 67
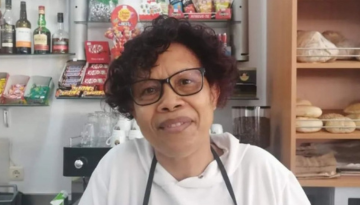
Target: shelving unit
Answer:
pixel 331 86
pixel 35 55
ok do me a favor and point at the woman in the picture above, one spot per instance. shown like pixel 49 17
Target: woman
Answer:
pixel 171 78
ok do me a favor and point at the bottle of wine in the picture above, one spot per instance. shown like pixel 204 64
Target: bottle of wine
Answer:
pixel 23 32
pixel 42 35
pixel 8 30
pixel 60 39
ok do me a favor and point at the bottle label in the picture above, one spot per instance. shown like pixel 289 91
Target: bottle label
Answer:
pixel 7 32
pixel 23 37
pixel 40 42
pixel 60 46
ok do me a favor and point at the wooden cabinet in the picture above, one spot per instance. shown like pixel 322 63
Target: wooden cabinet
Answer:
pixel 330 86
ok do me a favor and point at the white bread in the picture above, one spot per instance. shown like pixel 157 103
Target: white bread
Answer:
pixel 300 101
pixel 306 124
pixel 308 111
pixel 356 119
pixel 340 125
pixel 353 109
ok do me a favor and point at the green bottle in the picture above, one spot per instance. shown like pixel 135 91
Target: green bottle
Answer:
pixel 42 35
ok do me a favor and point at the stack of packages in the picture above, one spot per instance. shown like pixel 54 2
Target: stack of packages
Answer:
pixel 340 156
pixel 313 165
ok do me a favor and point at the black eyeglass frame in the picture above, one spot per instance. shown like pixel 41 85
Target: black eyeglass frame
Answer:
pixel 167 80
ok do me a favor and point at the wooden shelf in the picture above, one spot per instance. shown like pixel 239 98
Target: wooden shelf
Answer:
pixel 324 135
pixel 340 64
pixel 344 181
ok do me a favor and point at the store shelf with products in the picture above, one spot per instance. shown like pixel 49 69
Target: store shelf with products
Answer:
pixel 50 55
pixel 318 62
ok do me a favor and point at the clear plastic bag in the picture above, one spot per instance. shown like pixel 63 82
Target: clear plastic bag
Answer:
pixel 100 10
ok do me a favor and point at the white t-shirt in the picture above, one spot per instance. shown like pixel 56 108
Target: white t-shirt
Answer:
pixel 256 176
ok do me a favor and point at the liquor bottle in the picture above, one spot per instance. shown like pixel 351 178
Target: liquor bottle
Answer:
pixel 60 39
pixel 8 30
pixel 23 32
pixel 42 35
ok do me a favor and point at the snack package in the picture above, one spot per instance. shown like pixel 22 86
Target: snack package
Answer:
pixel 68 93
pixel 203 6
pixel 39 92
pixel 96 73
pixel 100 10
pixel 16 91
pixel 176 5
pixel 188 6
pixel 2 85
pixel 222 4
pixel 83 88
pixel 164 6
pixel 94 93
pixel 94 81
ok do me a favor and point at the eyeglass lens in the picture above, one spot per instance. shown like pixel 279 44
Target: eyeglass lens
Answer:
pixel 184 83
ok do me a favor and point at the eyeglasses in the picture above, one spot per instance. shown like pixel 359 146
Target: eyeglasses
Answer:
pixel 184 83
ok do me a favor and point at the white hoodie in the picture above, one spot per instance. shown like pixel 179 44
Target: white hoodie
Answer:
pixel 256 177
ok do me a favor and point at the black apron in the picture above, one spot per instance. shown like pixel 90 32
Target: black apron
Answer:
pixel 221 167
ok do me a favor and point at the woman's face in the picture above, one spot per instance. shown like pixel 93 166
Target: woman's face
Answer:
pixel 177 126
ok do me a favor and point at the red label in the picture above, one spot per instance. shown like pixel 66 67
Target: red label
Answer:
pixel 41 47
pixel 124 15
pixel 59 47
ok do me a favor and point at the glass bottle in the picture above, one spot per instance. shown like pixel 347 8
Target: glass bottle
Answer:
pixel 23 32
pixel 60 39
pixel 42 35
pixel 8 30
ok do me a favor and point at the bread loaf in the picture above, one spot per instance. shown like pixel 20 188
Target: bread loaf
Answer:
pixel 308 111
pixel 340 125
pixel 356 119
pixel 306 124
pixel 353 109
pixel 300 101
pixel 312 41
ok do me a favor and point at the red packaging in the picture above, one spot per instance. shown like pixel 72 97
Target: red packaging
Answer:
pixel 97 52
pixel 94 81
pixel 100 73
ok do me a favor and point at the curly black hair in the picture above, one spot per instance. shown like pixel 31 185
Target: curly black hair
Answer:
pixel 141 53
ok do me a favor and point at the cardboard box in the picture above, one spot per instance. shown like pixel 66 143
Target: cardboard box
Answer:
pixel 39 81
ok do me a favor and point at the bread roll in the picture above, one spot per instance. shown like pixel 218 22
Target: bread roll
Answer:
pixel 353 109
pixel 330 116
pixel 356 119
pixel 306 124
pixel 300 101
pixel 340 125
pixel 308 111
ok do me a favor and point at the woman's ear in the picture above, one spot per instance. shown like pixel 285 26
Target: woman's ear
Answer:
pixel 214 95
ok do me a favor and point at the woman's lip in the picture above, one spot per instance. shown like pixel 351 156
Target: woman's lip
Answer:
pixel 175 125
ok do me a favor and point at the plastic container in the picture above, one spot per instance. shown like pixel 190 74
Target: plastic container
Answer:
pixel 9 195
pixel 252 125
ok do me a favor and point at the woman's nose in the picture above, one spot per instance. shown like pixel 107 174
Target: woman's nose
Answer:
pixel 170 101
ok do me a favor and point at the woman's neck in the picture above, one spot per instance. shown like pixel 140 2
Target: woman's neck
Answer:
pixel 189 166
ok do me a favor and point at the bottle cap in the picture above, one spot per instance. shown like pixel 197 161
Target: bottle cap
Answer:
pixel 60 18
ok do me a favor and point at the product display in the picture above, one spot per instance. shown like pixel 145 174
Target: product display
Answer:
pixel 23 32
pixel 16 91
pixel 60 39
pixel 340 125
pixel 356 119
pixel 7 30
pixel 353 109
pixel 308 111
pixel 2 85
pixel 42 35
pixel 100 10
pixel 309 44
pixel 200 9
pixel 307 124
